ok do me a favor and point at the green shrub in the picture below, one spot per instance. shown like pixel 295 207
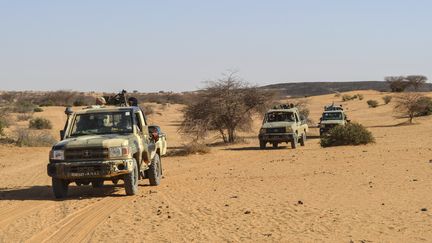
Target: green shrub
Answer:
pixel 350 134
pixel 31 138
pixel 37 109
pixel 387 99
pixel 40 123
pixel 372 103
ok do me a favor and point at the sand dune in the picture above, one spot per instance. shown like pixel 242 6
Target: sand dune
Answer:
pixel 372 193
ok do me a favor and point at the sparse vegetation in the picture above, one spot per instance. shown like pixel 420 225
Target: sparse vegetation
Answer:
pixel 350 134
pixel 387 99
pixel 32 138
pixel 372 103
pixel 360 96
pixel 40 123
pixel 413 104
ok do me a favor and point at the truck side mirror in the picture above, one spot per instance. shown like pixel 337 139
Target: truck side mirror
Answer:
pixel 62 134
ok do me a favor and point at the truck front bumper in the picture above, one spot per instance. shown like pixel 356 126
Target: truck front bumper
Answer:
pixel 277 137
pixel 90 169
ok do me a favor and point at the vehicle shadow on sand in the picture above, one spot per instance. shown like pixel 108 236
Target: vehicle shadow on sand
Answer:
pixel 44 193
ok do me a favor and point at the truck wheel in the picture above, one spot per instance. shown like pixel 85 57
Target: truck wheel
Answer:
pixel 97 183
pixel 262 144
pixel 60 187
pixel 275 145
pixel 303 139
pixel 131 180
pixel 154 171
pixel 294 142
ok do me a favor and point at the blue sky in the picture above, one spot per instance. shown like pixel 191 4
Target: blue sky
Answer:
pixel 176 45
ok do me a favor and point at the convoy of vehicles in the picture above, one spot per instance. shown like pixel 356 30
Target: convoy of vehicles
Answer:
pixel 115 143
pixel 283 124
pixel 106 143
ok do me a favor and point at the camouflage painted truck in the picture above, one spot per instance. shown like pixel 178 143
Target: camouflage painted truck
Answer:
pixel 332 116
pixel 105 144
pixel 283 124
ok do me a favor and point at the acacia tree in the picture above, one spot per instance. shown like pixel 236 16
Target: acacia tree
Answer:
pixel 397 83
pixel 412 105
pixel 416 81
pixel 226 106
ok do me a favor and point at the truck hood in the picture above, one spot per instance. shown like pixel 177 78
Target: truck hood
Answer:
pixel 106 141
pixel 338 122
pixel 277 124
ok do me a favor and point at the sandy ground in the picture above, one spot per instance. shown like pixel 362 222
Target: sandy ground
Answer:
pixel 371 193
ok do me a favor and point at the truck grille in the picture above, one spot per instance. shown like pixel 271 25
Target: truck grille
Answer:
pixel 276 130
pixel 86 154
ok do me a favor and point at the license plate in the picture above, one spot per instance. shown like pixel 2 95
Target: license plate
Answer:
pixel 87 173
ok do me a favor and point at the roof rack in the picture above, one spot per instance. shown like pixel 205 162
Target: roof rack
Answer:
pixel 333 107
pixel 284 106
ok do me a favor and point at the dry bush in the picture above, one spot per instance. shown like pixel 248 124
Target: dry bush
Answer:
pixel 350 134
pixel 337 94
pixel 412 105
pixel 40 123
pixel 372 103
pixel 24 116
pixel 5 121
pixel 32 138
pixel 226 106
pixel 360 96
pixel 387 99
pixel 347 97
pixel 38 109
pixel 24 107
pixel 190 148
pixel 148 109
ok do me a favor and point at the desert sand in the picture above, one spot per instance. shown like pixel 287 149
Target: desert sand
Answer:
pixel 238 193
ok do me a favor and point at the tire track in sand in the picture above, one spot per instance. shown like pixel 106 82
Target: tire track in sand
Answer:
pixel 79 225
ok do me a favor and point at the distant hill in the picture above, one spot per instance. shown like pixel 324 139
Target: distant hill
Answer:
pixel 320 88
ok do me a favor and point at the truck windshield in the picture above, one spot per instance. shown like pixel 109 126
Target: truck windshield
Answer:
pixel 280 116
pixel 332 116
pixel 102 123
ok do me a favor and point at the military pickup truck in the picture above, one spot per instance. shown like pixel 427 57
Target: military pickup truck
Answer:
pixel 283 124
pixel 105 143
pixel 331 117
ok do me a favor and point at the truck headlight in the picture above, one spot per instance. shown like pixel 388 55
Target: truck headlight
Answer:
pixel 57 155
pixel 118 152
pixel 321 125
pixel 289 129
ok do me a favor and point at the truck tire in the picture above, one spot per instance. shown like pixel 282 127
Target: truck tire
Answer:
pixel 131 180
pixel 97 183
pixel 303 139
pixel 294 142
pixel 262 144
pixel 275 145
pixel 60 187
pixel 154 171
